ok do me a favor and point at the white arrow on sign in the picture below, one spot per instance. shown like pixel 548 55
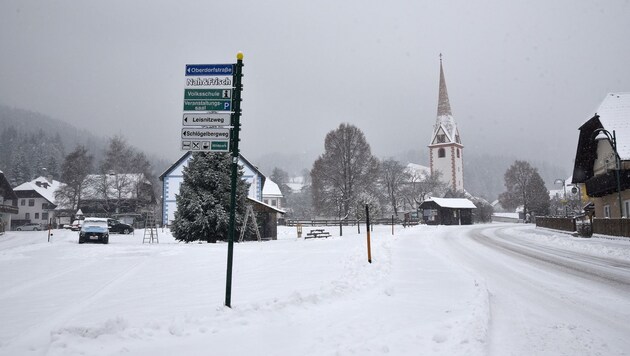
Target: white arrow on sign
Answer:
pixel 208 134
pixel 207 119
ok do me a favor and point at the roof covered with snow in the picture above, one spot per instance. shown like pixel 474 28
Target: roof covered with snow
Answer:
pixel 271 189
pixel 418 170
pixel 453 203
pixel 614 114
pixel 42 186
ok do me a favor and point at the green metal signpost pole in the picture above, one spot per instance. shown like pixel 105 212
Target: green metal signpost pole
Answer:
pixel 236 106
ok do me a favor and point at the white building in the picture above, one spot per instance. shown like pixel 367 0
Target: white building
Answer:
pixel 36 201
pixel 272 195
pixel 173 177
pixel 446 152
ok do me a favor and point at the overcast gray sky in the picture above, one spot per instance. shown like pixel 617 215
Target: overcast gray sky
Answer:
pixel 522 76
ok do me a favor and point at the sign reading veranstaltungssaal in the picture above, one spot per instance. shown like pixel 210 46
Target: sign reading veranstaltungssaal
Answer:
pixel 207 106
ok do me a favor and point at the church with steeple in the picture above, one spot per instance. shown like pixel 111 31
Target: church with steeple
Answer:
pixel 446 152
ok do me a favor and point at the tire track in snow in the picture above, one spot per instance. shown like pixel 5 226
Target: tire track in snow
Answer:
pixel 24 339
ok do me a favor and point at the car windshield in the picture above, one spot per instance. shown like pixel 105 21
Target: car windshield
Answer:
pixel 94 223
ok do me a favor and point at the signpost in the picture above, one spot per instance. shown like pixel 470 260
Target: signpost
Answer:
pixel 211 123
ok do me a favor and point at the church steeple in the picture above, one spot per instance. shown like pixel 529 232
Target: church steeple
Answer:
pixel 446 152
pixel 444 106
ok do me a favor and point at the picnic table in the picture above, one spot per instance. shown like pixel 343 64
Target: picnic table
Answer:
pixel 316 233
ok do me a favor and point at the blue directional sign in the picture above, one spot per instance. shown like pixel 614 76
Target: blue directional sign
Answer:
pixel 209 69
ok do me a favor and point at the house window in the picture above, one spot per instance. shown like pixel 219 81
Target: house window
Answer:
pixel 266 201
pixel 626 208
pixel 31 202
pixel 441 153
pixel 45 216
pixel 607 211
pixel 27 216
pixel 23 202
pixel 273 202
pixel 36 216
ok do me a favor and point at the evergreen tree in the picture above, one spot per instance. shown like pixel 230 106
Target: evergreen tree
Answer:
pixel 203 203
pixel 525 187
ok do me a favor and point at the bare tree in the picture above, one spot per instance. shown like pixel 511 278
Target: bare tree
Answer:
pixel 525 187
pixel 393 176
pixel 74 169
pixel 345 170
pixel 420 187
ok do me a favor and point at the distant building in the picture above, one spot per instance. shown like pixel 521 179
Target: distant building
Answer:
pixel 595 161
pixel 272 195
pixel 8 203
pixel 446 151
pixel 36 201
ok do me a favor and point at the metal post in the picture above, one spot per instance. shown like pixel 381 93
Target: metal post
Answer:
pixel 367 228
pixel 236 106
pixel 392 224
pixel 617 170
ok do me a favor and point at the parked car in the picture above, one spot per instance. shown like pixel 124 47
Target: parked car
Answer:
pixel 76 225
pixel 94 230
pixel 29 227
pixel 116 226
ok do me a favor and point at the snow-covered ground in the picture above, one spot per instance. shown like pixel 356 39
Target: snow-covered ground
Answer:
pixel 496 289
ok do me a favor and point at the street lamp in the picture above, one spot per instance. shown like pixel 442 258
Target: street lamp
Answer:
pixel 602 134
pixel 564 187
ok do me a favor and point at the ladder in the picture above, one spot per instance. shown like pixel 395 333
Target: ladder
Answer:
pixel 249 213
pixel 150 230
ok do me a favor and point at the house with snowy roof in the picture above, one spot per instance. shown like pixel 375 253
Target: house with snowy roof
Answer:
pixel 36 201
pixel 123 195
pixel 8 203
pixel 602 160
pixel 173 177
pixel 447 211
pixel 271 194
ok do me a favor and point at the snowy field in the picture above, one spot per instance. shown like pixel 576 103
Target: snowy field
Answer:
pixel 496 289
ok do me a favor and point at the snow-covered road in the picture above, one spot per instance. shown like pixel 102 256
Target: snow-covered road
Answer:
pixel 497 289
pixel 545 297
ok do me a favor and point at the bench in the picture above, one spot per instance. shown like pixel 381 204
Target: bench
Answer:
pixel 317 233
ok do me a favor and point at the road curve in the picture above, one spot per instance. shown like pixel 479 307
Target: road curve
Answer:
pixel 545 299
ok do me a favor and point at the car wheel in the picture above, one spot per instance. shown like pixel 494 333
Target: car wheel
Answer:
pixel 126 231
pixel 35 229
pixel 106 240
pixel 81 240
pixel 19 229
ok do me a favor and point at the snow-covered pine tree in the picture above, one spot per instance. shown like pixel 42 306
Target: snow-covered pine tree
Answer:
pixel 203 203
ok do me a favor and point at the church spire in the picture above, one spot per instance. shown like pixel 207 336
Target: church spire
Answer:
pixel 444 106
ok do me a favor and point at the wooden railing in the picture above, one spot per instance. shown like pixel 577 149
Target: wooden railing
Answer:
pixel 334 222
pixel 614 227
pixel 564 224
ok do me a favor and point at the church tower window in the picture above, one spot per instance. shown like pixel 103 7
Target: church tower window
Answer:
pixel 441 153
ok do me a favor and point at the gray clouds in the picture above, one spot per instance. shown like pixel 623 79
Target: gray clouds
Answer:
pixel 522 76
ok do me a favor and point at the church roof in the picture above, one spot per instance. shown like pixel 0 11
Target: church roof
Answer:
pixel 445 129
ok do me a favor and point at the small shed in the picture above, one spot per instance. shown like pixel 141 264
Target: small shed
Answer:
pixel 447 211
pixel 267 218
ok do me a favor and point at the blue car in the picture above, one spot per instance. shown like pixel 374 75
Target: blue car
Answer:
pixel 94 230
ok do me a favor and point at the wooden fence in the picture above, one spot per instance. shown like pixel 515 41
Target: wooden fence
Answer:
pixel 564 224
pixel 334 222
pixel 613 227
